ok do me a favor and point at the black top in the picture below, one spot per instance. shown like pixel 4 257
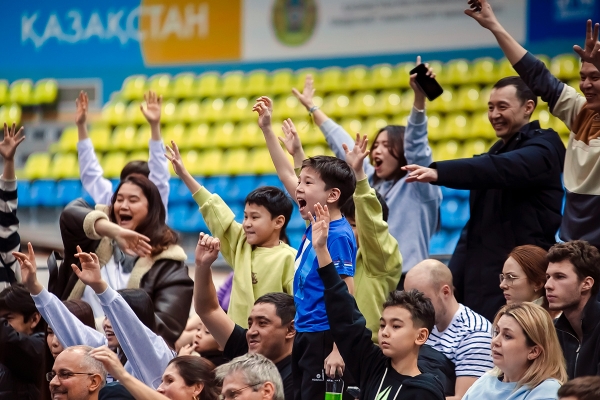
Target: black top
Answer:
pixel 237 345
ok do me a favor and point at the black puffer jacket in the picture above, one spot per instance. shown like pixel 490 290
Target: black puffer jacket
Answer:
pixel 165 277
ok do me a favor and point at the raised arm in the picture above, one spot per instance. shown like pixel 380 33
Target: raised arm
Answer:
pixel 159 167
pixel 205 294
pixel 591 51
pixel 285 171
pixel 292 143
pixel 90 171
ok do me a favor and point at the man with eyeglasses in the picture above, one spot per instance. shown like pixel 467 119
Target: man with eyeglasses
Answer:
pixel 250 377
pixel 76 375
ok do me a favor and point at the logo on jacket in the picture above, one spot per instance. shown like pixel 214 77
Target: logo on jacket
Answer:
pixel 385 394
pixel 320 377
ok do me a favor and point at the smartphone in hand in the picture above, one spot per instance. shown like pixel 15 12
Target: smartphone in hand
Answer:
pixel 429 85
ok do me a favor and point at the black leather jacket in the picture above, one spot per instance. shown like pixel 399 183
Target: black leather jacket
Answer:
pixel 166 281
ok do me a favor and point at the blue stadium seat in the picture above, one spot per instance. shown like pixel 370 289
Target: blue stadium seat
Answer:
pixel 68 190
pixel 296 222
pixel 177 216
pixel 43 193
pixel 295 238
pixel 220 185
pixel 437 245
pixel 455 213
pixel 174 197
pixel 449 193
pixel 238 210
pixel 197 224
pixel 239 187
pixel 452 239
pixel 269 180
pixel 24 194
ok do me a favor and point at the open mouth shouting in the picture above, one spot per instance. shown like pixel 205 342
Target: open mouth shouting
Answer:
pixel 125 219
pixel 301 204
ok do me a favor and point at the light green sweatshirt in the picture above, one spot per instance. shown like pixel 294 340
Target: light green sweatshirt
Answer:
pixel 378 260
pixel 257 270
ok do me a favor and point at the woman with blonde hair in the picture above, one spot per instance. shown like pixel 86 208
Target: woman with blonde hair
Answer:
pixel 527 356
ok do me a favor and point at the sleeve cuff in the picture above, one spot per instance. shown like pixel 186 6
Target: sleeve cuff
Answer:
pixel 362 187
pixel 90 221
pixel 202 196
pixel 85 144
pixel 417 117
pixel 6 184
pixel 329 275
pixel 43 298
pixel 328 125
pixel 108 296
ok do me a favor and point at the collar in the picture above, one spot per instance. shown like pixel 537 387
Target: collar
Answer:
pixel 516 139
pixel 590 318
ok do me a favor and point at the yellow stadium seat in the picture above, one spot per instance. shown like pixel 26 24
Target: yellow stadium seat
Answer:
pixel 382 77
pixel 234 162
pixel 435 126
pixel 169 111
pixel 100 136
pixel 64 166
pixel 21 92
pixel 559 126
pixel 543 116
pixel 402 72
pixel 199 136
pixel 182 86
pixel 233 83
pixel 389 102
pixel 137 156
pixel 469 98
pixel 4 92
pixel 373 125
pixel 133 87
pixel 159 83
pixel 123 137
pixel 400 120
pixel 353 126
pixel 211 162
pixel 37 166
pixel 365 104
pixel 212 109
pixel 310 135
pixel 68 140
pixel 45 91
pixel 259 161
pixel 225 135
pixel 282 81
pixel 142 137
pixel 474 147
pixel 10 113
pixel 337 105
pixel 249 134
pixel 545 59
pixel 238 109
pixel 445 103
pixel 207 84
pixel 330 80
pixel 188 111
pixel 565 140
pixel 456 72
pixel 133 114
pixel 565 66
pixel 504 68
pixel 287 106
pixel 173 132
pixel 312 151
pixel 357 77
pixel 483 71
pixel 257 83
pixel 300 77
pixel 192 162
pixel 448 150
pixel 113 112
pixel 481 127
pixel 457 126
pixel 113 164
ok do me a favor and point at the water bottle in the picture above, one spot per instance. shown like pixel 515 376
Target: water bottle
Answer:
pixel 334 388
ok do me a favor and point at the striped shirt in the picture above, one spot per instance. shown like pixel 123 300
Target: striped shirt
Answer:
pixel 466 342
pixel 9 236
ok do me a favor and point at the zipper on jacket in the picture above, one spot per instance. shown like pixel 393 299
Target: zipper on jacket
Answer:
pixel 576 351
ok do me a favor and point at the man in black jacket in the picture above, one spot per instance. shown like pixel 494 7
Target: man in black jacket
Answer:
pixel 516 195
pixel 22 345
pixel 573 282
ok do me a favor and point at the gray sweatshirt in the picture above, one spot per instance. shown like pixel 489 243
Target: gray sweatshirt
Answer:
pixel 147 353
pixel 414 207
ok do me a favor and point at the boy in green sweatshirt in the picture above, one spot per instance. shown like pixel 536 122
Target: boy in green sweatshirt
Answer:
pixel 261 262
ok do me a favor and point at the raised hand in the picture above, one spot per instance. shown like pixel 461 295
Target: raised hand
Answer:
pixel 133 243
pixel 153 108
pixel 174 156
pixel 320 226
pixel 420 174
pixel 90 271
pixel 419 93
pixel 81 104
pixel 264 108
pixel 291 140
pixel 481 11
pixel 111 362
pixel 306 97
pixel 591 52
pixel 356 157
pixel 12 139
pixel 207 250
pixel 29 270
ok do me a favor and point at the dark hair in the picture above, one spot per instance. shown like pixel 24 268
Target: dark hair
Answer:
pixel 523 92
pixel 275 201
pixel 335 173
pixel 584 257
pixel 420 307
pixel 135 167
pixel 16 298
pixel 349 209
pixel 395 145
pixel 153 226
pixel 82 310
pixel 142 306
pixel 582 388
pixel 193 370
pixel 284 305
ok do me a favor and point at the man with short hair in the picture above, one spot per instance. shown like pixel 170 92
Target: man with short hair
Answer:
pixel 573 279
pixel 76 375
pixel 584 388
pixel 250 377
pixel 270 330
pixel 516 194
pixel 459 333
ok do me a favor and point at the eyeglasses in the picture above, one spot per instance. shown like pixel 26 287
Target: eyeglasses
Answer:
pixel 233 394
pixel 64 375
pixel 510 279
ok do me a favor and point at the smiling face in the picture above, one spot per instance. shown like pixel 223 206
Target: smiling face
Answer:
pixel 131 206
pixel 506 112
pixel 398 334
pixel 173 386
pixel 111 339
pixel 589 84
pixel 516 287
pixel 53 344
pixel 564 289
pixel 204 341
pixel 266 335
pixel 310 191
pixel 260 227
pixel 386 165
pixel 510 350
pixel 75 387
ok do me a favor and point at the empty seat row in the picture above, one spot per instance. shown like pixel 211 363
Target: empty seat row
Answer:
pixel 25 92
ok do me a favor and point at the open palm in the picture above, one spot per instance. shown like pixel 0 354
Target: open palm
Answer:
pixel 12 139
pixel 591 52
pixel 320 226
pixel 82 108
pixel 153 107
pixel 356 157
pixel 174 157
pixel 306 97
pixel 264 108
pixel 291 140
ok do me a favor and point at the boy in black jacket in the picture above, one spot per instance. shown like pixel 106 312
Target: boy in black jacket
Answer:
pixel 388 372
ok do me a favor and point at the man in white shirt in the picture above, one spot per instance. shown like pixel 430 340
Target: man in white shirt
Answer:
pixel 459 333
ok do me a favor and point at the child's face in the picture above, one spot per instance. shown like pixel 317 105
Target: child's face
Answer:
pixel 204 341
pixel 310 191
pixel 398 335
pixel 258 224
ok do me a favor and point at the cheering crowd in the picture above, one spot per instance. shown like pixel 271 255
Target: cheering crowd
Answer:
pixel 359 305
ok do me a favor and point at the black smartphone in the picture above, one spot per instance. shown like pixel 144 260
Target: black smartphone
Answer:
pixel 429 85
pixel 353 391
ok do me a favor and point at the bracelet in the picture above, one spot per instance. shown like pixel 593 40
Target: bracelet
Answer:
pixel 312 110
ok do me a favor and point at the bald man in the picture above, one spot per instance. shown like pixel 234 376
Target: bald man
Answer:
pixel 459 333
